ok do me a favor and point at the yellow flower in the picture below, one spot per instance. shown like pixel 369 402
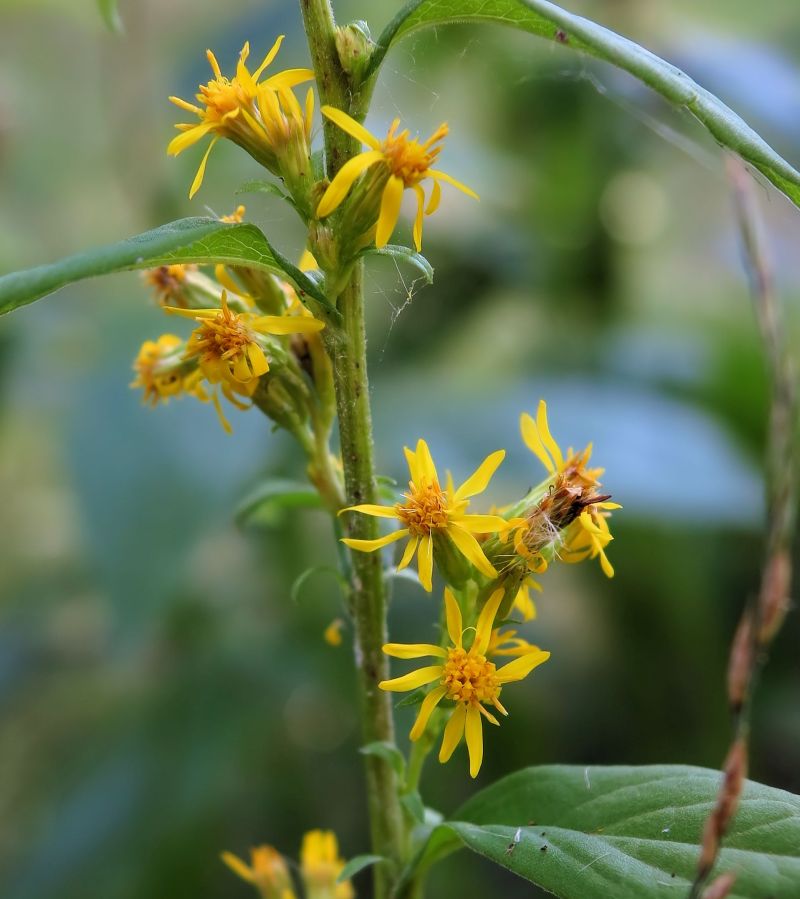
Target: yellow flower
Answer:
pixel 253 114
pixel 465 676
pixel 320 866
pixel 573 502
pixel 161 371
pixel 523 602
pixel 236 217
pixel 407 163
pixel 429 510
pixel 267 872
pixel 590 535
pixel 229 345
pixel 507 643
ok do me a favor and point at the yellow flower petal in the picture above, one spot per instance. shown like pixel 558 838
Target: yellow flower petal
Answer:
pixel 483 629
pixel 413 650
pixel 390 210
pixel 414 679
pixel 481 524
pixel 425 466
pixel 436 197
pixel 418 219
pixel 455 624
pixel 238 866
pixel 478 481
pixel 530 436
pixel 343 181
pixel 351 126
pixel 367 546
pixel 287 78
pixel 425 562
pixel 273 52
pixel 257 359
pixel 453 732
pixel 449 179
pixel 287 324
pixel 522 666
pixel 474 733
pixel 198 178
pixel 469 547
pixel 370 509
pixel 547 438
pixel 608 568
pixel 428 705
pixel 408 553
pixel 187 139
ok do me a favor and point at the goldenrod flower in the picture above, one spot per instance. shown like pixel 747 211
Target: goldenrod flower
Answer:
pixel 320 866
pixel 429 510
pixel 262 117
pixel 573 503
pixel 267 872
pixel 236 217
pixel 406 163
pixel 507 643
pixel 230 345
pixel 161 371
pixel 523 602
pixel 465 676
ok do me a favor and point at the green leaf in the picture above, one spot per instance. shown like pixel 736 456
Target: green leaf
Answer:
pixel 630 833
pixel 275 494
pixel 413 804
pixel 404 254
pixel 547 20
pixel 412 699
pixel 389 753
pixel 110 14
pixel 205 241
pixel 356 864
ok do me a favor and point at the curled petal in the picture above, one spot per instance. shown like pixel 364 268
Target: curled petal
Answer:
pixel 198 178
pixel 449 179
pixel 367 546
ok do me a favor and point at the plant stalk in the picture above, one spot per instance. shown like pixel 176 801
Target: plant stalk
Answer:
pixel 346 344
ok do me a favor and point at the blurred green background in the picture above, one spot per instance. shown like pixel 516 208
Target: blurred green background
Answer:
pixel 162 697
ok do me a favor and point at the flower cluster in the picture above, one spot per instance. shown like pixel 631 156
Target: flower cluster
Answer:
pixel 488 562
pixel 233 345
pixel 320 867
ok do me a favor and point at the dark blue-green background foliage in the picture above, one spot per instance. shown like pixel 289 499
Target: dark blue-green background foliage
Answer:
pixel 162 698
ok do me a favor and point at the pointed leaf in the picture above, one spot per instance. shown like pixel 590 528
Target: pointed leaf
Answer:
pixel 356 864
pixel 404 254
pixel 630 833
pixel 547 20
pixel 205 241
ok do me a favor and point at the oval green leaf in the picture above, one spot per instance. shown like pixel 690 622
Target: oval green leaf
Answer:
pixel 205 241
pixel 630 833
pixel 550 21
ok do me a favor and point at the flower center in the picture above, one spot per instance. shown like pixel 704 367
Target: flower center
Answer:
pixel 470 677
pixel 221 338
pixel 425 509
pixel 408 159
pixel 221 97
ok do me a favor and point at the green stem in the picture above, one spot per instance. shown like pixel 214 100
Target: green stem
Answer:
pixel 346 345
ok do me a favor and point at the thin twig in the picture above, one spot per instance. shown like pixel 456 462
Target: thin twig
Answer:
pixel 764 615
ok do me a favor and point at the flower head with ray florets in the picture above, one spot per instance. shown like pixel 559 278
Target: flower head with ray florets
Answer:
pixel 429 510
pixel 263 117
pixel 403 161
pixel 465 676
pixel 573 506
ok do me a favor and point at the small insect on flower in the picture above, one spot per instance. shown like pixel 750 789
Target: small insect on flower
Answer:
pixel 466 677
pixel 406 161
pixel 428 510
pixel 261 117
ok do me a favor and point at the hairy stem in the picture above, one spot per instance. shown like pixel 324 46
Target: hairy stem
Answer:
pixel 346 344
